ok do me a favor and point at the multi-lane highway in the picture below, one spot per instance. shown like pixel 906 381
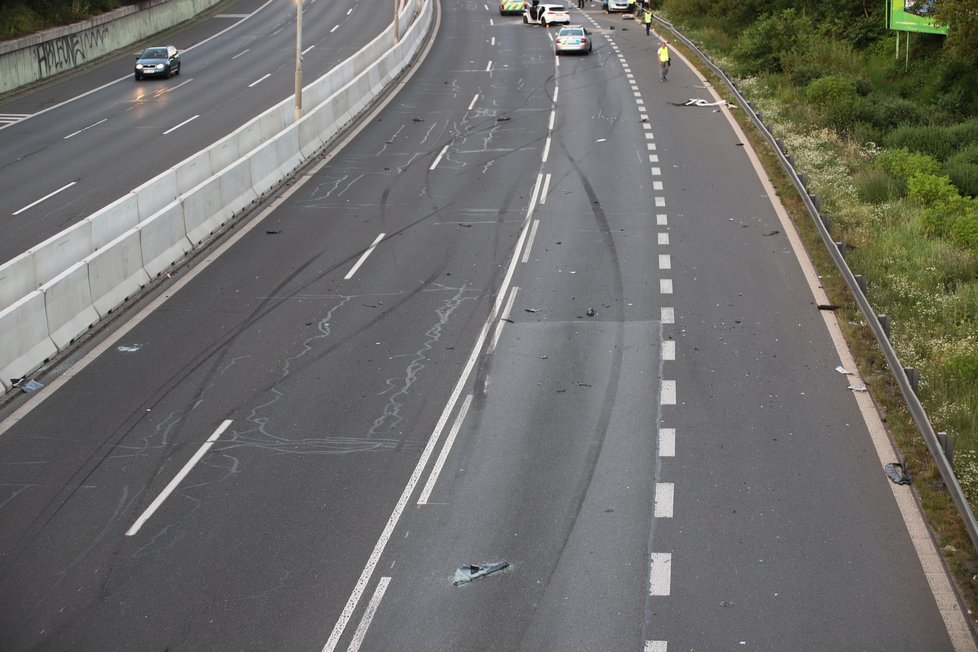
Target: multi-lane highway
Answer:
pixel 534 313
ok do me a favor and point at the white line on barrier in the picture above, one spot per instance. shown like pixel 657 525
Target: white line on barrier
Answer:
pixel 48 196
pixel 75 133
pixel 446 448
pixel 241 53
pixel 368 614
pixel 181 124
pixel 260 80
pixel 437 160
pixel 177 479
pixel 367 253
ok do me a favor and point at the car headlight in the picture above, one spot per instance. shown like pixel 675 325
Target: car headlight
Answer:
pixel 139 66
pixel 159 66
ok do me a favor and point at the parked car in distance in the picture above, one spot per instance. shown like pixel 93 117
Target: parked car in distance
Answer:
pixel 161 61
pixel 612 6
pixel 546 15
pixel 573 38
pixel 509 7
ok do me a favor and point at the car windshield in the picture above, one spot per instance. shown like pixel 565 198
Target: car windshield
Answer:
pixel 571 32
pixel 154 53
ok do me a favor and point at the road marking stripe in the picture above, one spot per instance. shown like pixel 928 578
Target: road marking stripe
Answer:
pixel 660 573
pixel 640 102
pixel 492 41
pixel 656 172
pixel 368 614
pixel 653 158
pixel 241 53
pixel 667 393
pixel 553 117
pixel 437 160
pixel 649 135
pixel 664 493
pixel 529 242
pixel 656 185
pixel 665 261
pixel 489 66
pixel 669 350
pixel 655 646
pixel 363 257
pixel 663 238
pixel 667 315
pixel 660 202
pixel 450 440
pixel 665 286
pixel 177 479
pixel 661 219
pixel 307 49
pixel 260 80
pixel 546 188
pixel 187 121
pixel 646 126
pixel 502 320
pixel 349 11
pixel 667 442
pixel 556 90
pixel 277 31
pixel 335 27
pixel 472 103
pixel 75 133
pixel 546 149
pixel 47 196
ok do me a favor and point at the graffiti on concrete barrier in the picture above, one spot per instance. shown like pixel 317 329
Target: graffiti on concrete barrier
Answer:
pixel 66 52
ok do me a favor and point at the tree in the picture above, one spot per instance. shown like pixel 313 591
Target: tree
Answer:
pixel 961 18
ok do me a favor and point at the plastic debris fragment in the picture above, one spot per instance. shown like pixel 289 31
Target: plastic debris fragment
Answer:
pixel 472 572
pixel 27 385
pixel 897 473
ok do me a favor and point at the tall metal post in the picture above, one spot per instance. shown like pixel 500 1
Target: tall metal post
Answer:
pixel 397 27
pixel 298 59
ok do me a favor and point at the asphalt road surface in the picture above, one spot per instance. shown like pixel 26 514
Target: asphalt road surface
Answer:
pixel 94 137
pixel 533 313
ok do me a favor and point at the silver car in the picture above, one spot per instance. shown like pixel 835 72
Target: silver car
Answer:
pixel 573 38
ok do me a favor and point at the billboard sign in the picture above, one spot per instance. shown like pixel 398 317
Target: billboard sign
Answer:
pixel 914 16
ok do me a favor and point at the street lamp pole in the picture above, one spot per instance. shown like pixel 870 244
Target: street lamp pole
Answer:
pixel 397 26
pixel 298 60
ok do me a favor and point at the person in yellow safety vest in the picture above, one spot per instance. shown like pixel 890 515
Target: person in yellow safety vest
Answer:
pixel 647 19
pixel 663 61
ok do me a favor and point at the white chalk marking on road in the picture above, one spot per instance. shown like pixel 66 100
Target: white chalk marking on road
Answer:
pixel 245 51
pixel 664 493
pixel 489 66
pixel 667 442
pixel 369 251
pixel 655 646
pixel 335 27
pixel 661 219
pixel 502 321
pixel 660 202
pixel 472 103
pixel 260 80
pixel 529 242
pixel 656 185
pixel 660 573
pixel 546 149
pixel 177 479
pixel 307 49
pixel 667 315
pixel 553 118
pixel 47 196
pixel 546 188
pixel 437 160
pixel 656 171
pixel 187 121
pixel 368 614
pixel 665 286
pixel 75 133
pixel 665 261
pixel 662 238
pixel 447 446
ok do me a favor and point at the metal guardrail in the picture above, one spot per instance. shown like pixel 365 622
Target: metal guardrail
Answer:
pixel 900 373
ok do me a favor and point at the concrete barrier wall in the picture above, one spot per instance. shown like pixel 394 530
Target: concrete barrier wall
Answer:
pixel 42 55
pixel 58 289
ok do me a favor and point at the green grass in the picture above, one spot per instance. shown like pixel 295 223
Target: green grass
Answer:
pixel 23 17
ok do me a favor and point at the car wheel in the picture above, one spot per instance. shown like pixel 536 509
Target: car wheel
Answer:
pixel 137 76
pixel 525 21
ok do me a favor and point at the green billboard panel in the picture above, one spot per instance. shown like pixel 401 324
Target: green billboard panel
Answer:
pixel 914 16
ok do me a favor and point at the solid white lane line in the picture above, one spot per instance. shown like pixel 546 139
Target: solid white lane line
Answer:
pixel 472 103
pixel 307 49
pixel 246 50
pixel 546 188
pixel 665 286
pixel 529 242
pixel 667 442
pixel 437 160
pixel 660 573
pixel 664 493
pixel 370 250
pixel 502 320
pixel 177 479
pixel 75 133
pixel 665 261
pixel 655 646
pixel 667 394
pixel 47 196
pixel 368 614
pixel 663 238
pixel 661 219
pixel 546 149
pixel 449 441
pixel 260 80
pixel 667 315
pixel 669 350
pixel 187 121
pixel 335 27
pixel 489 66
pixel 412 483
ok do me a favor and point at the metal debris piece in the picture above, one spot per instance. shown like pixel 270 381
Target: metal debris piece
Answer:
pixel 26 385
pixel 418 119
pixel 472 572
pixel 503 119
pixel 591 312
pixel 828 306
pixel 531 309
pixel 897 473
pixel 843 370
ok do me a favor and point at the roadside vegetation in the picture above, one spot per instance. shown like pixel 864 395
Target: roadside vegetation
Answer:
pixel 22 17
pixel 891 148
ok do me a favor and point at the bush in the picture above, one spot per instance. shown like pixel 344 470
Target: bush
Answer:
pixel 930 189
pixel 964 230
pixel 903 164
pixel 831 90
pixel 875 186
pixel 928 139
pixel 964 176
pixel 766 41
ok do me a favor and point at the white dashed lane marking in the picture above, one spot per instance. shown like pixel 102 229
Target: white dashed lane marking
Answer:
pixel 667 442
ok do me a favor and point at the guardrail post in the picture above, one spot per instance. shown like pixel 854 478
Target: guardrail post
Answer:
pixel 884 324
pixel 825 219
pixel 779 143
pixel 947 445
pixel 817 202
pixel 803 178
pixel 863 285
pixel 913 377
pixel 841 246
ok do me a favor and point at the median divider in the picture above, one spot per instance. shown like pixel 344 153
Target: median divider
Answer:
pixel 53 293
